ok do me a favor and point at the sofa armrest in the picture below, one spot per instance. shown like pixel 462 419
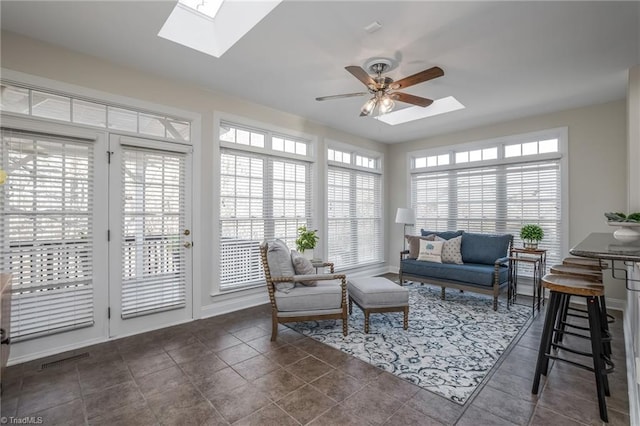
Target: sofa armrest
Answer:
pixel 501 261
pixel 404 254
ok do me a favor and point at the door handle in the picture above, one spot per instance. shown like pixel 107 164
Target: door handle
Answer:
pixel 187 244
pixel 4 339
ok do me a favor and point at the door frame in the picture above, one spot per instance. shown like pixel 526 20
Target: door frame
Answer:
pixel 117 326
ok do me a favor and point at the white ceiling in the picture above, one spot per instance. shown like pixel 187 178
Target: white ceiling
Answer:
pixel 502 60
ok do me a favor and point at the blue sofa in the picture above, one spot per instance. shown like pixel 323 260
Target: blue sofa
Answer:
pixel 485 267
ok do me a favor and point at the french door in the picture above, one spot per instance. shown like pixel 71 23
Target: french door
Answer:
pixel 150 259
pixel 96 230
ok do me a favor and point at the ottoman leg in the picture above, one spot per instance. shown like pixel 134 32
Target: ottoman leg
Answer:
pixel 366 321
pixel 406 317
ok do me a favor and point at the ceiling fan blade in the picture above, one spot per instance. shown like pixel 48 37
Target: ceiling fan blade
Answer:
pixel 420 77
pixel 361 75
pixel 346 95
pixel 411 99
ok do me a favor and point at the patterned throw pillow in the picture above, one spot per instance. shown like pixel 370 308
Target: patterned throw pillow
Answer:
pixel 302 266
pixel 414 244
pixel 451 250
pixel 430 251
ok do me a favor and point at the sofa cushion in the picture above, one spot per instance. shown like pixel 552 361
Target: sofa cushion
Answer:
pixel 325 295
pixel 414 244
pixel 469 273
pixel 484 248
pixel 430 251
pixel 302 266
pixel 447 235
pixel 280 265
pixel 451 250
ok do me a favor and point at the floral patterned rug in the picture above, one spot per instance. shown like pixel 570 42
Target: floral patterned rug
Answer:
pixel 449 348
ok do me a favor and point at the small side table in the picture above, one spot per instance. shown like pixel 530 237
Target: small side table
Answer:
pixel 537 258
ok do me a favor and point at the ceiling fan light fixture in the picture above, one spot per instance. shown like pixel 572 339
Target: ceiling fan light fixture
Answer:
pixel 386 104
pixel 369 106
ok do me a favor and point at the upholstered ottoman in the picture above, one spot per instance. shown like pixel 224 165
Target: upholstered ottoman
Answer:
pixel 377 294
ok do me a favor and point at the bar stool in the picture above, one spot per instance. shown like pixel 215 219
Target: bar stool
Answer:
pixel 584 262
pixel 592 291
pixel 566 310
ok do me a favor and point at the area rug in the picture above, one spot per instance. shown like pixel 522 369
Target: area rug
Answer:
pixel 449 348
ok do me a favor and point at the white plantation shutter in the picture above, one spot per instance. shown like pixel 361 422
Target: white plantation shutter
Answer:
pixel 492 199
pixel 261 196
pixel 354 219
pixel 46 232
pixel 153 260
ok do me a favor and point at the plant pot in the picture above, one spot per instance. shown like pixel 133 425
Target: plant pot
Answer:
pixel 309 253
pixel 531 245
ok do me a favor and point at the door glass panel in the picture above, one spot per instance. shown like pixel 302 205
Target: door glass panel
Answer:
pixel 153 259
pixel 46 233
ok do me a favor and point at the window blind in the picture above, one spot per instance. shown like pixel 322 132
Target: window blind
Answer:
pixel 153 259
pixel 354 220
pixel 261 196
pixel 493 199
pixel 46 232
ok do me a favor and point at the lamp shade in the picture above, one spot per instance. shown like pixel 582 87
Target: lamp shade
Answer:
pixel 406 216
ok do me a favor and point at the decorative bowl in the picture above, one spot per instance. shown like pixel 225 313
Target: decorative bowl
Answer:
pixel 626 231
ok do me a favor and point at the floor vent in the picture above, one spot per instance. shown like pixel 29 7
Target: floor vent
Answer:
pixel 64 360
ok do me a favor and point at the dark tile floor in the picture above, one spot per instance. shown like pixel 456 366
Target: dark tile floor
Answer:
pixel 225 370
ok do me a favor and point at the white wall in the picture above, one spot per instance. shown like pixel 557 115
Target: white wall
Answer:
pixel 597 168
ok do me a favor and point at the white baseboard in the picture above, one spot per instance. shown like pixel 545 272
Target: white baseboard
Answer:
pixel 231 302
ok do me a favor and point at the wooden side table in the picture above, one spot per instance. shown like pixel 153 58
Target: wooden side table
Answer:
pixel 537 259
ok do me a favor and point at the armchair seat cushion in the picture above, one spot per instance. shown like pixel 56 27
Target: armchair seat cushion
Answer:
pixel 326 295
pixel 471 273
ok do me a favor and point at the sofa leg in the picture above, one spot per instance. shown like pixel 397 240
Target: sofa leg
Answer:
pixel 495 303
pixel 442 293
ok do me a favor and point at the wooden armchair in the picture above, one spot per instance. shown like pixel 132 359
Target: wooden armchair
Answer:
pixel 295 297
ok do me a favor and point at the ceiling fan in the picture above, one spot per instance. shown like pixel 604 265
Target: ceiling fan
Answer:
pixel 384 89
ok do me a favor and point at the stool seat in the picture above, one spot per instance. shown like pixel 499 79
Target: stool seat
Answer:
pixel 572 285
pixel 584 262
pixel 376 295
pixel 590 274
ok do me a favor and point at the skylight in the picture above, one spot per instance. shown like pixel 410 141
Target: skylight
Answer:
pixel 207 7
pixel 213 26
pixel 439 106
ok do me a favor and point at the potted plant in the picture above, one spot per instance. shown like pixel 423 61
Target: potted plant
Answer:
pixel 307 241
pixel 531 235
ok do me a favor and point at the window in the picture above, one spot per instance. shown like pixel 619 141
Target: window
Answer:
pixel 38 103
pixel 509 185
pixel 262 195
pixel 47 243
pixel 354 217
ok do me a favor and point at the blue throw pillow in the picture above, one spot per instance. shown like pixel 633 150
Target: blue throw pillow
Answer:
pixel 447 235
pixel 484 248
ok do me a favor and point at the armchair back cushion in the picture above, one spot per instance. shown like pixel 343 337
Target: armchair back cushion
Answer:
pixel 280 265
pixel 484 248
